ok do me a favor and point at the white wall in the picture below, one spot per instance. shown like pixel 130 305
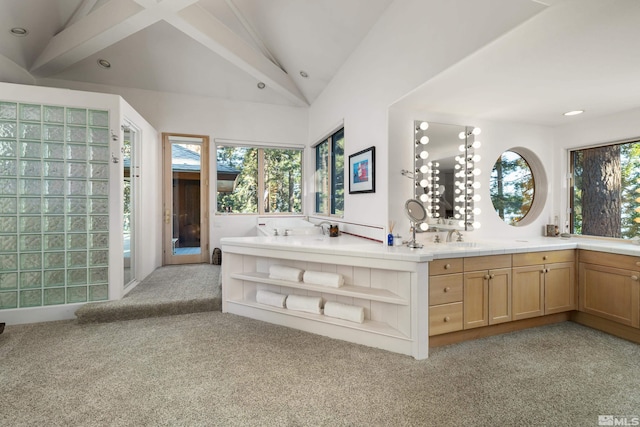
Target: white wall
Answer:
pixel 218 118
pixel 496 137
pixel 413 41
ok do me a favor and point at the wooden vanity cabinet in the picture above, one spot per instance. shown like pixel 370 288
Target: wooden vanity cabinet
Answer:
pixel 609 286
pixel 543 283
pixel 487 290
pixel 445 296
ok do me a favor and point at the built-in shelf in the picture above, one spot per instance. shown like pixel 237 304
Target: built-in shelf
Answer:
pixel 373 294
pixel 370 326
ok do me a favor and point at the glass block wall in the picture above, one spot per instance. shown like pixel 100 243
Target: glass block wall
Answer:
pixel 54 187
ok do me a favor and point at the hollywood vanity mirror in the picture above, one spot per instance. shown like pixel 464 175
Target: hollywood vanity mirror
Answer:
pixel 445 176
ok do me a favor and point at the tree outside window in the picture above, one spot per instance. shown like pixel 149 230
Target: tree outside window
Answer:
pixel 606 191
pixel 259 180
pixel 329 175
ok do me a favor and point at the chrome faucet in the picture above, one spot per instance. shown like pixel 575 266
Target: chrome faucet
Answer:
pixel 320 224
pixel 449 235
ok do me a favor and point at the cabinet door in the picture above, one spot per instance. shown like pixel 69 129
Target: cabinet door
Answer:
pixel 559 287
pixel 499 296
pixel 476 299
pixel 608 292
pixel 528 292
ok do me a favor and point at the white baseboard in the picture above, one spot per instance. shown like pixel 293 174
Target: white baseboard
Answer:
pixel 19 316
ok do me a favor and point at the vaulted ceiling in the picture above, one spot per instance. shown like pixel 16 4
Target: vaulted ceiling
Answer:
pixel 218 48
pixel 575 54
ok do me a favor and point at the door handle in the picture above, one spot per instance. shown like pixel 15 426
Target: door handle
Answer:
pixel 167 216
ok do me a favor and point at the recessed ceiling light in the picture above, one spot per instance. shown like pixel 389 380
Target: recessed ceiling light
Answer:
pixel 261 85
pixel 573 113
pixel 304 74
pixel 19 31
pixel 104 63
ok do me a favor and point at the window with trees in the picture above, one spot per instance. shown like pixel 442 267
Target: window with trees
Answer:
pixel 512 187
pixel 259 180
pixel 605 195
pixel 329 176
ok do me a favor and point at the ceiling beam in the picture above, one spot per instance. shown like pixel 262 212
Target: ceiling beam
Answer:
pixel 109 24
pixel 252 33
pixel 118 19
pixel 202 26
pixel 82 10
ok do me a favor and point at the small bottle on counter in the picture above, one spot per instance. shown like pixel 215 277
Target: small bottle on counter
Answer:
pixel 390 239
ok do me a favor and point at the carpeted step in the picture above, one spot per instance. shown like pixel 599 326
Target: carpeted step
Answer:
pixel 103 312
pixel 167 291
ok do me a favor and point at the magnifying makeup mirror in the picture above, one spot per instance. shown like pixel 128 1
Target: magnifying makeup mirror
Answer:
pixel 417 214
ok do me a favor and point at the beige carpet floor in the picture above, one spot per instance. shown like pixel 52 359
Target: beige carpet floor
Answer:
pixel 168 290
pixel 215 369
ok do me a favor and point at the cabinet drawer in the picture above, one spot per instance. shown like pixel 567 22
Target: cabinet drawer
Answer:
pixel 626 262
pixel 445 318
pixel 445 266
pixel 488 262
pixel 545 257
pixel 445 289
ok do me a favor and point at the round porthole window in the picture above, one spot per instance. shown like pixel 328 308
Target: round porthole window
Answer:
pixel 512 187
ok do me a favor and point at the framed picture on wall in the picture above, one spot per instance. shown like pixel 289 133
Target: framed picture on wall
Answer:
pixel 362 171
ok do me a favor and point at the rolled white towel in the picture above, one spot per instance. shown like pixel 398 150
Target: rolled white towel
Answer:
pixel 333 280
pixel 304 303
pixel 283 272
pixel 351 313
pixel 271 298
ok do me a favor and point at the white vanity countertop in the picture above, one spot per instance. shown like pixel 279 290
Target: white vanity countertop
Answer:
pixel 533 244
pixel 354 246
pixel 342 245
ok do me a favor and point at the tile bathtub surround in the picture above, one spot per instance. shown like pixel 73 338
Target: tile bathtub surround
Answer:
pixel 54 183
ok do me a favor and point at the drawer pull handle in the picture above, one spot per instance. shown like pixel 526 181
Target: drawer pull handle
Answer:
pixel 491 276
pixel 447 289
pixel 446 319
pixel 638 263
pixel 635 278
pixel 544 258
pixel 447 266
pixel 487 277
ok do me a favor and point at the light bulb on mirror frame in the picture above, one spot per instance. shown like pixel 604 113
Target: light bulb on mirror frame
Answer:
pixel 424 140
pixel 424 126
pixel 424 154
